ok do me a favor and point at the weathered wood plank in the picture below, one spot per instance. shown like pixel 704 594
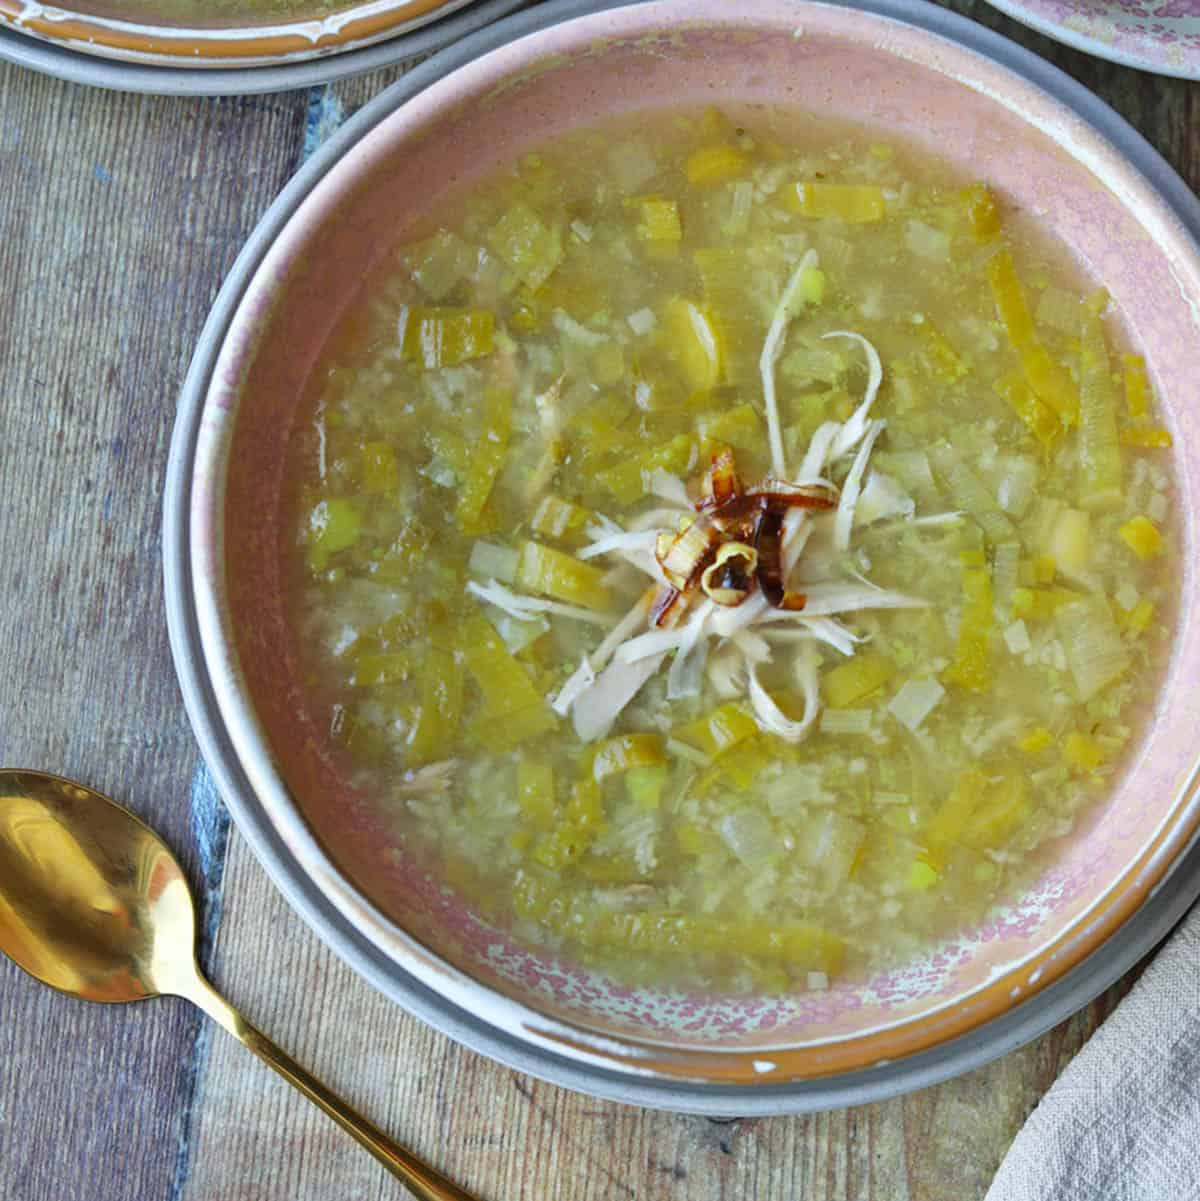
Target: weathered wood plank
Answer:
pixel 118 219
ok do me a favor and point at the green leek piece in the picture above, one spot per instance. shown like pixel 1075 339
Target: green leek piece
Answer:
pixel 715 164
pixel 716 732
pixel 626 481
pixel 645 785
pixel 488 457
pixel 1038 418
pixel 972 666
pixel 966 491
pixel 333 525
pixel 535 791
pixel 659 220
pixel 727 299
pixel 1048 379
pixel 513 710
pixel 445 337
pixel 382 667
pixel 740 427
pixel 946 826
pixel 563 577
pixel 855 679
pixel 579 823
pixel 440 263
pixel 436 733
pixel 1092 643
pixel 1099 449
pixel 1006 809
pixel 690 336
pixel 558 518
pixel 1137 387
pixel 531 248
pixel 855 204
pixel 380 472
pixel 624 751
pixel 981 212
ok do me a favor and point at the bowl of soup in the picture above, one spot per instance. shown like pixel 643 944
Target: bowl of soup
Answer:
pixel 677 546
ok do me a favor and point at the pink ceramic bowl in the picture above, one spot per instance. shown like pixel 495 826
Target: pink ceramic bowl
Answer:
pixel 932 79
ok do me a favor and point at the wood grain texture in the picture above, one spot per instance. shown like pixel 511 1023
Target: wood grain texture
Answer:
pixel 118 217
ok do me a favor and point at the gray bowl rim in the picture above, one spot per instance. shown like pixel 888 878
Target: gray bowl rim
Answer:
pixel 1162 910
pixel 153 79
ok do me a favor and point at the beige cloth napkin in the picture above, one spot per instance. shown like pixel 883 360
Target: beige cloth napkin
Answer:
pixel 1122 1123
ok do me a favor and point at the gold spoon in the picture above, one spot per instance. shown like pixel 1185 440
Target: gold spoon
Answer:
pixel 93 903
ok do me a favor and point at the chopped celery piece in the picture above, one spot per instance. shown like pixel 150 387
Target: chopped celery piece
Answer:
pixel 1092 645
pixel 855 204
pixel 1137 386
pixel 486 461
pixel 333 525
pixel 659 220
pixel 535 791
pixel 856 678
pixel 689 335
pixel 624 751
pixel 445 337
pixel 715 164
pixel 531 248
pixel 972 666
pixel 1141 535
pixel 1099 450
pixel 565 578
pixel 719 730
pixel 380 471
pixel 982 213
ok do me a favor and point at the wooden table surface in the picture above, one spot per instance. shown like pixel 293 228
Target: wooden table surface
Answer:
pixel 119 216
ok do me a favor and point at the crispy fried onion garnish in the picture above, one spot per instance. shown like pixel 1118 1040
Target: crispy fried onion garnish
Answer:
pixel 733 543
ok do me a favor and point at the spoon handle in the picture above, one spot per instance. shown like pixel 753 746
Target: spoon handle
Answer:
pixel 425 1183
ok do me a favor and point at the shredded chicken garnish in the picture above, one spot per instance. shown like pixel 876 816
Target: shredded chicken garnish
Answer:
pixel 733 567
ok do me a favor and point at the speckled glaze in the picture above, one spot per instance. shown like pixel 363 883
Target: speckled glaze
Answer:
pixel 1162 36
pixel 246 42
pixel 909 84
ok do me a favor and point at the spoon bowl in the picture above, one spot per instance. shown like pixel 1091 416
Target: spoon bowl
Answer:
pixel 93 903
